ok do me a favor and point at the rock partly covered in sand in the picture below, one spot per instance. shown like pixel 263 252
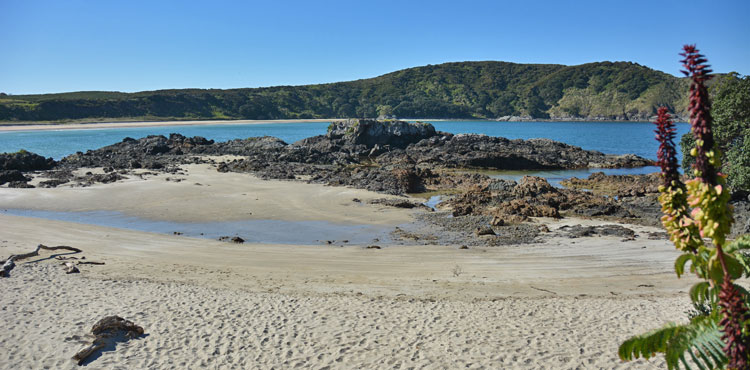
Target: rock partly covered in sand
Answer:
pixel 12 176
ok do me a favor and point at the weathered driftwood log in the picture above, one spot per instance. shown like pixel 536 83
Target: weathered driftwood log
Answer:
pixel 89 263
pixel 105 329
pixel 9 264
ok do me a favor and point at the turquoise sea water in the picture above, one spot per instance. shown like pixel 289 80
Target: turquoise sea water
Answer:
pixel 60 143
pixel 606 137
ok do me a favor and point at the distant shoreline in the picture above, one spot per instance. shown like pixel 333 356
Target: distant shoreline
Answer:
pixel 84 125
pixel 123 124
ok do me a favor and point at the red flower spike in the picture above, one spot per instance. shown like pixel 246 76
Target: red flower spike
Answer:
pixel 700 116
pixel 665 134
pixel 735 314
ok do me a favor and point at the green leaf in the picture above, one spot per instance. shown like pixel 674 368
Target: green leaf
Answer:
pixel 701 292
pixel 734 266
pixel 700 340
pixel 741 243
pixel 715 271
pixel 648 344
pixel 679 263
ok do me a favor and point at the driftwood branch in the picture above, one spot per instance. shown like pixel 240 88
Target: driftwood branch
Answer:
pixel 104 331
pixel 9 264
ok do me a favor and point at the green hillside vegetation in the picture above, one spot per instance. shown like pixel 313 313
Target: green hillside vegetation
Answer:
pixel 485 90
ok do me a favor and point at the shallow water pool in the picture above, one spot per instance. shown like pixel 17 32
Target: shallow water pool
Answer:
pixel 252 231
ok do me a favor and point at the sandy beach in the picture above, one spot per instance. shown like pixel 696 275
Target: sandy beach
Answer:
pixel 32 126
pixel 558 303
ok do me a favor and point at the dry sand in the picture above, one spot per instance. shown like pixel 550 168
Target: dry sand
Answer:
pixel 558 304
pixel 31 126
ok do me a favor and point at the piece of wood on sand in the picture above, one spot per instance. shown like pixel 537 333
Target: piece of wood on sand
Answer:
pixel 70 268
pixel 105 332
pixel 9 264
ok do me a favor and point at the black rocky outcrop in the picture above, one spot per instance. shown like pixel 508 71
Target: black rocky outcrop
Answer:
pixel 393 157
pixel 25 161
pixel 12 176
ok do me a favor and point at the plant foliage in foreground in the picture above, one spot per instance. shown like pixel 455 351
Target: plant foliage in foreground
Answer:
pixel 731 113
pixel 697 218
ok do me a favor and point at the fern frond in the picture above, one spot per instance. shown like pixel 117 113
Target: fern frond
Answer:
pixel 648 344
pixel 700 341
pixel 702 292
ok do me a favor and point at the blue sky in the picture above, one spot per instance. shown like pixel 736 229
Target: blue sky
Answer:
pixel 74 45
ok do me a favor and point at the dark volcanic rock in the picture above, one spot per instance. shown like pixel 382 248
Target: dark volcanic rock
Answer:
pixel 233 239
pixel 484 230
pixel 578 231
pixel 481 151
pixel 392 157
pixel 25 161
pixel 371 133
pixel 509 202
pixel 461 231
pixel 155 152
pixel 20 184
pixel 397 203
pixel 104 178
pixel 53 183
pixel 12 176
pixel 617 185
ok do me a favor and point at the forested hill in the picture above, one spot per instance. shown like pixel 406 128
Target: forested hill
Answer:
pixel 605 90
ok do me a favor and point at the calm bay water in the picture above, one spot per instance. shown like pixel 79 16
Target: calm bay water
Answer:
pixel 60 143
pixel 606 137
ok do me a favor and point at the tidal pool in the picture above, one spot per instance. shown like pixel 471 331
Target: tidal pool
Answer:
pixel 252 231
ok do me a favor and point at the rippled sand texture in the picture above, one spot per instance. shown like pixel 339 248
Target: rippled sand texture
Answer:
pixel 193 326
pixel 560 303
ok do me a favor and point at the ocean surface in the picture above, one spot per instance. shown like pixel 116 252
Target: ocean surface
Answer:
pixel 607 137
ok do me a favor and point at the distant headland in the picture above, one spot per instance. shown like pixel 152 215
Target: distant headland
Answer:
pixel 616 91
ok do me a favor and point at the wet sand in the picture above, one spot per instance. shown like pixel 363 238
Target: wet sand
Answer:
pixel 557 304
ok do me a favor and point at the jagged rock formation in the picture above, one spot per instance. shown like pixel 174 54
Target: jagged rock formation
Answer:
pixel 387 156
pixel 24 161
